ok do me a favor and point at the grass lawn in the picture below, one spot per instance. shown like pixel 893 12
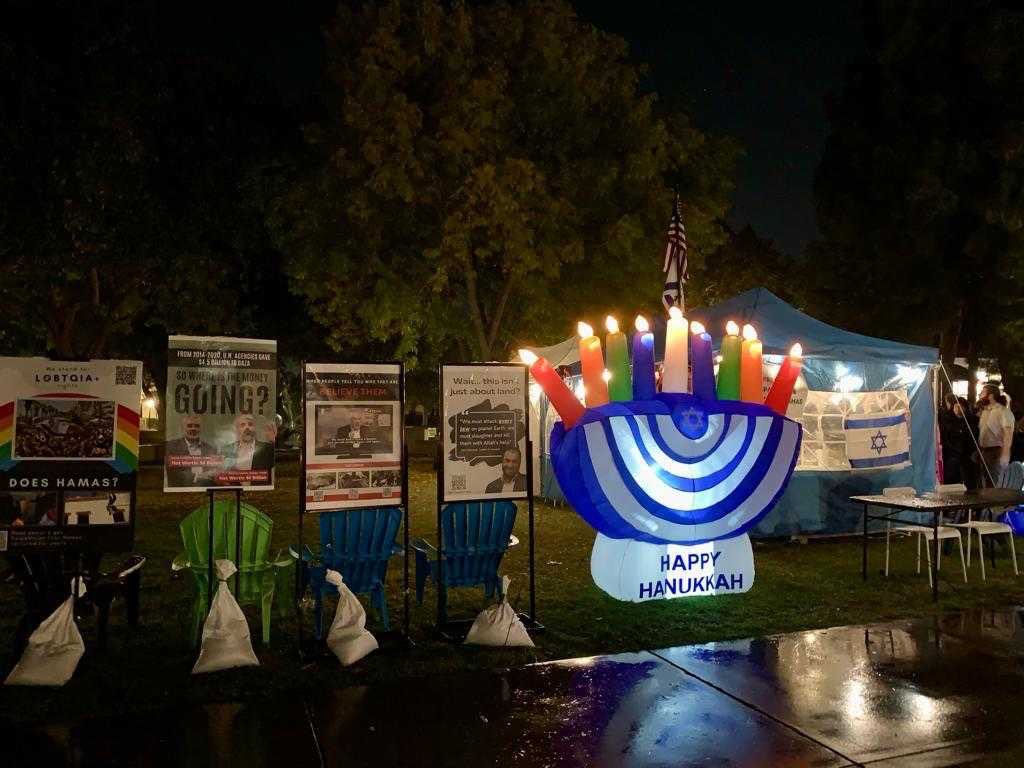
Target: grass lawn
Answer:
pixel 798 587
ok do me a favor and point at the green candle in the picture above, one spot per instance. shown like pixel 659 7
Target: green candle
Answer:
pixel 729 368
pixel 620 385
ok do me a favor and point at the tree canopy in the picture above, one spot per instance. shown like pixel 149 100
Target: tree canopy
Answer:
pixel 921 189
pixel 128 145
pixel 481 175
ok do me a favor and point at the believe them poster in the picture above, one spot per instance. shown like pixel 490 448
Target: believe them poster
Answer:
pixel 354 435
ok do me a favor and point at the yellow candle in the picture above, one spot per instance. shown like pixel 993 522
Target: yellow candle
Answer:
pixel 751 372
pixel 592 362
pixel 675 370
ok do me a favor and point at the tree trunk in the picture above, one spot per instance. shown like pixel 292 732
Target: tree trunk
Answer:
pixel 60 322
pixel 949 345
pixel 972 375
pixel 483 349
pixel 486 328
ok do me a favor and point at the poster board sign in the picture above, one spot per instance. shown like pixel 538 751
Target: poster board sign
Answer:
pixel 221 413
pixel 484 431
pixel 354 435
pixel 69 432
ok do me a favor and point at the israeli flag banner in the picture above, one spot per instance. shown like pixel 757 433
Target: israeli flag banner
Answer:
pixel 879 440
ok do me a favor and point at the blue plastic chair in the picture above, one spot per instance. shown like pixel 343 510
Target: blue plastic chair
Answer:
pixel 475 536
pixel 358 544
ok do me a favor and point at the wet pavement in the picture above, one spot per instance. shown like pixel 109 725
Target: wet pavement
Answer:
pixel 940 692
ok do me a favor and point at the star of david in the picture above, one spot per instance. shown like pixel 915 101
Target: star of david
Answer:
pixel 692 418
pixel 878 442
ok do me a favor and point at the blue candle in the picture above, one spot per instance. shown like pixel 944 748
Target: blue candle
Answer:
pixel 643 361
pixel 702 364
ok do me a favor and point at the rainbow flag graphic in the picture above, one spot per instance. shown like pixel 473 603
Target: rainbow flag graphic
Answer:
pixel 6 431
pixel 126 449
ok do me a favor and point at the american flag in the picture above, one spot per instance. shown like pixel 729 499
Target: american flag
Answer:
pixel 675 260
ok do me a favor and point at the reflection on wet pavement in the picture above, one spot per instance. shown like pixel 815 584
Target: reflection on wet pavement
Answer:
pixel 885 691
pixel 628 710
pixel 947 691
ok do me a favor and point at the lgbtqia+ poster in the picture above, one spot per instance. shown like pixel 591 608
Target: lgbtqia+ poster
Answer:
pixel 69 431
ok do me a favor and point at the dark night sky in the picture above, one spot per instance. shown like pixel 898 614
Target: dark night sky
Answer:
pixel 758 72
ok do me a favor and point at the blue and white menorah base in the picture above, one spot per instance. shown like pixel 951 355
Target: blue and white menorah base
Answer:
pixel 672 485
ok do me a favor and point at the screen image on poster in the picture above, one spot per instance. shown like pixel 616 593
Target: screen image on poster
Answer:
pixel 221 413
pixel 353 435
pixel 69 452
pixel 484 431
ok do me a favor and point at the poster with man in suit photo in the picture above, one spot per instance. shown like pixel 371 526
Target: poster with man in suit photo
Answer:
pixel 484 426
pixel 353 434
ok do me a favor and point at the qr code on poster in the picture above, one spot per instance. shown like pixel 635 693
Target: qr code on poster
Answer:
pixel 458 483
pixel 124 375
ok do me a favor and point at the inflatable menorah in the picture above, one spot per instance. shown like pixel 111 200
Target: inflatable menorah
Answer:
pixel 673 480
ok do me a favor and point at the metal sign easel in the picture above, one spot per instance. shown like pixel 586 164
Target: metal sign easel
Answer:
pixel 529 620
pixel 211 493
pixel 301 566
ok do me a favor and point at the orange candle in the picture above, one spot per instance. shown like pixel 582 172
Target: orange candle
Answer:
pixel 785 380
pixel 751 371
pixel 560 396
pixel 592 362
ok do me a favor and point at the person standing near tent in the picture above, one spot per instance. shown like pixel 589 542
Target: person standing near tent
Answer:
pixel 957 445
pixel 995 433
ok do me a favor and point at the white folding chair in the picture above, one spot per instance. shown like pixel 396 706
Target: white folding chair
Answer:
pixel 1013 477
pixel 924 533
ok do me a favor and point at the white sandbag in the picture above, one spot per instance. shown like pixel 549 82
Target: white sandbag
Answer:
pixel 348 637
pixel 226 640
pixel 53 650
pixel 499 625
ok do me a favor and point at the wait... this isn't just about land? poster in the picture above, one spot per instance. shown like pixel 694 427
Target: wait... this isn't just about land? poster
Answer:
pixel 484 431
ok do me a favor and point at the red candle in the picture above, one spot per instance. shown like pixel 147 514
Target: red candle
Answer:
pixel 561 397
pixel 592 362
pixel 785 380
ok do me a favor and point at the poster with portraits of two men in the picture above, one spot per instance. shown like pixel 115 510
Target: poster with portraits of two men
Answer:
pixel 221 406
